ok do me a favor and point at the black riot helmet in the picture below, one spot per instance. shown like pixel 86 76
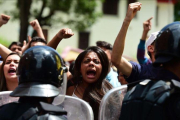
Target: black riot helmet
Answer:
pixel 167 44
pixel 41 73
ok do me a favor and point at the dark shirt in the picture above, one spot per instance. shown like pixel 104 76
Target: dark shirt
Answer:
pixel 15 110
pixel 141 72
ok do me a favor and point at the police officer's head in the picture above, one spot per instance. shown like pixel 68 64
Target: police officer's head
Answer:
pixel 41 73
pixel 167 44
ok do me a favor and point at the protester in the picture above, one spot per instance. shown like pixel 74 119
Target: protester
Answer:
pixel 90 70
pixel 142 59
pixel 112 75
pixel 40 72
pixel 37 41
pixel 8 77
pixel 16 47
pixel 158 99
pixel 133 71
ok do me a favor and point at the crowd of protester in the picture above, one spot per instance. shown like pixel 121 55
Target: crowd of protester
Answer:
pixel 92 74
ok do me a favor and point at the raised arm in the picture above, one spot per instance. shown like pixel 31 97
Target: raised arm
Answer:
pixel 121 63
pixel 142 59
pixel 36 26
pixel 146 28
pixel 62 34
pixel 4 51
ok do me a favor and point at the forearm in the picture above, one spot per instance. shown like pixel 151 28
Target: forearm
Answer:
pixel 122 64
pixel 119 43
pixel 4 51
pixel 144 35
pixel 54 42
pixel 40 33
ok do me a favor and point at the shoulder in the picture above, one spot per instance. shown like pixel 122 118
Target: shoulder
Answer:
pixel 14 109
pixel 70 90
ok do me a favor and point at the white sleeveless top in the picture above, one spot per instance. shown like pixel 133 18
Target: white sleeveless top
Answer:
pixel 74 95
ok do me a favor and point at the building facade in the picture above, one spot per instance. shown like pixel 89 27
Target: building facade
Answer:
pixel 107 27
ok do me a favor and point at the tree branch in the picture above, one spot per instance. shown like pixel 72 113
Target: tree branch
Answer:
pixel 42 9
pixel 50 14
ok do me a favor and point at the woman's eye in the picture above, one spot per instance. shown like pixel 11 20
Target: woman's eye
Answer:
pixel 16 62
pixel 8 62
pixel 96 61
pixel 86 61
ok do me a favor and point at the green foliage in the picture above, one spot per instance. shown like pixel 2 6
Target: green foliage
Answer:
pixel 4 42
pixel 79 14
pixel 85 14
pixel 60 5
pixel 177 12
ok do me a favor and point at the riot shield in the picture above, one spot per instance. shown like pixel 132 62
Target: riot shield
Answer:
pixel 5 98
pixel 110 107
pixel 76 108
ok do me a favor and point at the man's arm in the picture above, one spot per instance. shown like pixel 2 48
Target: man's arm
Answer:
pixel 62 34
pixel 146 28
pixel 121 63
pixel 4 51
pixel 142 59
pixel 37 27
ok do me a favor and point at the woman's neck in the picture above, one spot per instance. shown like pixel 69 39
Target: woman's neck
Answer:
pixel 81 89
pixel 84 84
pixel 11 85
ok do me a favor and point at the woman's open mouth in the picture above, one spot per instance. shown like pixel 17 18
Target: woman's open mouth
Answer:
pixel 91 74
pixel 12 71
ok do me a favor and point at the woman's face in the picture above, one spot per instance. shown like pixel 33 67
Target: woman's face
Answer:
pixel 91 67
pixel 10 67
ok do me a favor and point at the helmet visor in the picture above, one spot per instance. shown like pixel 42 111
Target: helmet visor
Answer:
pixel 62 91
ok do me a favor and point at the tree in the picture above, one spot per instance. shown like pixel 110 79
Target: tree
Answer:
pixel 177 11
pixel 78 14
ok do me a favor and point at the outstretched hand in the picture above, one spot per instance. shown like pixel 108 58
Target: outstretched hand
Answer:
pixel 35 24
pixel 4 19
pixel 147 24
pixel 65 33
pixel 132 10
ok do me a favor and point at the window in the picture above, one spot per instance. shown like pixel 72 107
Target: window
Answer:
pixel 131 1
pixel 83 40
pixel 110 7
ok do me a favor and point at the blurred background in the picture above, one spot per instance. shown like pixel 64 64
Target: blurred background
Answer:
pixel 90 20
